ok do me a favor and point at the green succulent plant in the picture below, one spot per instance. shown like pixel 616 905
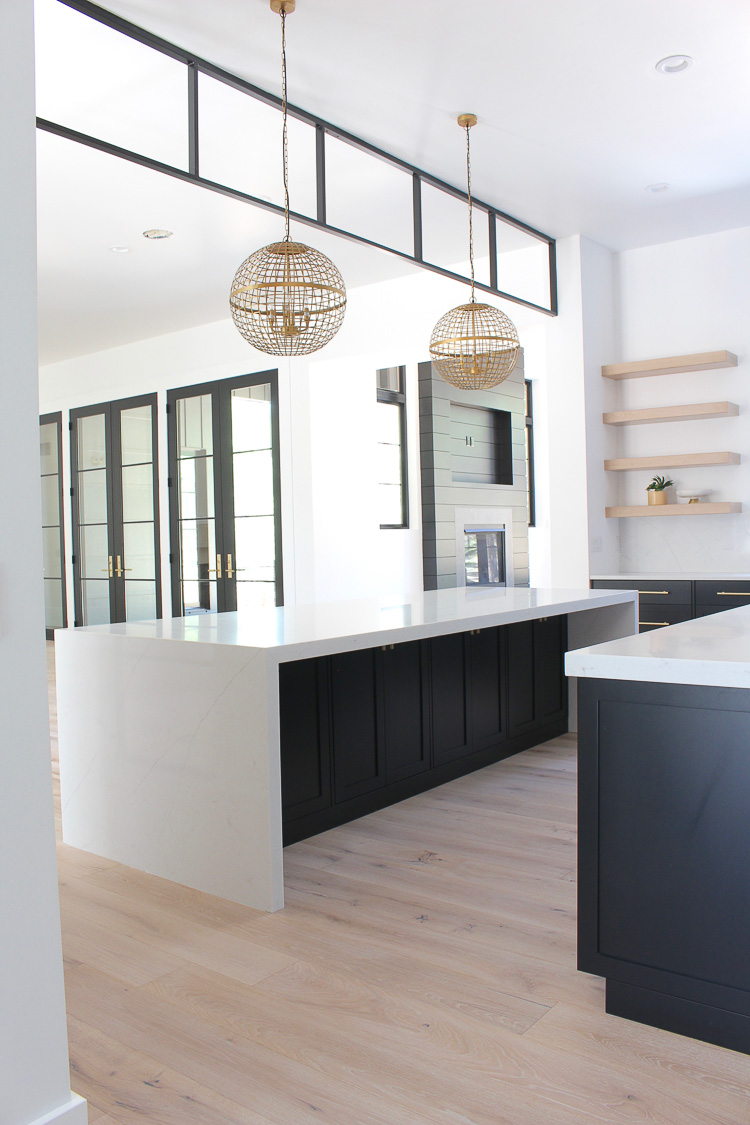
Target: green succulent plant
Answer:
pixel 658 484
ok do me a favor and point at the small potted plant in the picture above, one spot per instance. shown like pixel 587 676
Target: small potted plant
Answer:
pixel 657 490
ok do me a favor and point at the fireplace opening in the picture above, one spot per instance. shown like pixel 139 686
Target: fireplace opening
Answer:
pixel 484 556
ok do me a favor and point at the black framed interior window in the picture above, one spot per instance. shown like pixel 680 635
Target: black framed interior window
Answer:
pixel 393 491
pixel 528 409
pixel 53 536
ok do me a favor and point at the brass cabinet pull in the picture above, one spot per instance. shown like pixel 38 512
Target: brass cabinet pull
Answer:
pixel 652 591
pixel 733 593
pixel 108 569
pixel 217 572
pixel 654 622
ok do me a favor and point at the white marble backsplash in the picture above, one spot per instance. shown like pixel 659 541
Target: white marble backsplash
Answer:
pixel 692 545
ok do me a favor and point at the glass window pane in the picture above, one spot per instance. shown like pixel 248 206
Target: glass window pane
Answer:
pixel 94 552
pixel 388 423
pixel 92 496
pixel 91 78
pixel 390 379
pixel 91 442
pixel 137 492
pixel 198 545
pixel 140 601
pixel 95 597
pixel 199 597
pixel 389 504
pixel 522 264
pixel 48 447
pixel 255 595
pixel 256 548
pixel 50 501
pixel 135 435
pixel 53 607
pixel 251 418
pixel 368 196
pixel 241 147
pixel 51 552
pixel 138 544
pixel 194 426
pixel 389 464
pixel 445 234
pixel 253 484
pixel 196 488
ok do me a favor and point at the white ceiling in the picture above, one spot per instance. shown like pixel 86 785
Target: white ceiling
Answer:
pixel 574 123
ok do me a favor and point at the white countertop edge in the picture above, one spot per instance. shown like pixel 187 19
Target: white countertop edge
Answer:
pixel 670 576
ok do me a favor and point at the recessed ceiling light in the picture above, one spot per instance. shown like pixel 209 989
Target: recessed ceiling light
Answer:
pixel 674 64
pixel 120 249
pixel 655 188
pixel 157 232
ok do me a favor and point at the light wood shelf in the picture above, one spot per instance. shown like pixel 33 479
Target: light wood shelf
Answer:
pixel 671 461
pixel 688 412
pixel 670 365
pixel 727 507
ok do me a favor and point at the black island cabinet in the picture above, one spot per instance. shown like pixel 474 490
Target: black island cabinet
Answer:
pixel 361 730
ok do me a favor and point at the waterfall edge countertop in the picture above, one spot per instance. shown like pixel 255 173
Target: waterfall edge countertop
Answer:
pixel 298 631
pixel 672 576
pixel 712 651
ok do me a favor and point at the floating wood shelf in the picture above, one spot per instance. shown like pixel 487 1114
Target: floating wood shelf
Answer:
pixel 687 413
pixel 670 365
pixel 671 461
pixel 723 508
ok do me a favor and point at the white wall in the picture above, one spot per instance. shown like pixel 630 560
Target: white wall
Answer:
pixel 34 1079
pixel 692 295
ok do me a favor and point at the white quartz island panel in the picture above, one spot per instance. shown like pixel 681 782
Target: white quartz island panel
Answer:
pixel 169 730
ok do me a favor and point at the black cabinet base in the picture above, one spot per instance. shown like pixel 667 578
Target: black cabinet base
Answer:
pixel 303 827
pixel 684 1017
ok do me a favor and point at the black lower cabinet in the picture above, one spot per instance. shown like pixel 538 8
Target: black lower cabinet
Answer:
pixel 362 730
pixel 664 842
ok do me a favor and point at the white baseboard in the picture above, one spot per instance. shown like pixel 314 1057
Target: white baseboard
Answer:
pixel 73 1112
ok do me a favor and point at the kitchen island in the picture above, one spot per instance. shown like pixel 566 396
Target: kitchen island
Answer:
pixel 186 743
pixel 664 831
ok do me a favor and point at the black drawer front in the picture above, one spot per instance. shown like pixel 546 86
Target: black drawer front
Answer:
pixel 722 595
pixel 656 617
pixel 653 591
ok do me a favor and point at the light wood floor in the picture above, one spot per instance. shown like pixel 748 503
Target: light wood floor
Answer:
pixel 422 973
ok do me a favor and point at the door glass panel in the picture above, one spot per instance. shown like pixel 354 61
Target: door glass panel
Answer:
pixel 92 442
pixel 251 418
pixel 255 595
pixel 198 560
pixel 140 601
pixel 92 496
pixel 135 435
pixel 51 501
pixel 51 551
pixel 53 614
pixel 138 543
pixel 256 549
pixel 196 488
pixel 253 484
pixel 137 493
pixel 94 552
pixel 48 447
pixel 194 426
pixel 95 599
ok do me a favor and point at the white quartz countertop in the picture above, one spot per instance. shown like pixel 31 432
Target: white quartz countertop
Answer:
pixel 671 576
pixel 713 650
pixel 296 631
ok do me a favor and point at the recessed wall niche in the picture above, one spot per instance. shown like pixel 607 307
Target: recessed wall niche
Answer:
pixel 481 445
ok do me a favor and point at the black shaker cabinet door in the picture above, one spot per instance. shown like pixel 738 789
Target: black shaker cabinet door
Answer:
pixel 520 676
pixel 550 685
pixel 450 726
pixel 486 676
pixel 305 749
pixel 356 723
pixel 407 748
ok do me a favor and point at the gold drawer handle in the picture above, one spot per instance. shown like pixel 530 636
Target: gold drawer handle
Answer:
pixel 733 593
pixel 654 622
pixel 652 591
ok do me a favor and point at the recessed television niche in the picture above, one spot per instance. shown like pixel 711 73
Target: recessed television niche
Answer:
pixel 481 445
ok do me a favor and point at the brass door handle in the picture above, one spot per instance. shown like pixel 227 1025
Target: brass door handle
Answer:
pixel 652 591
pixel 733 593
pixel 120 569
pixel 108 569
pixel 217 572
pixel 230 571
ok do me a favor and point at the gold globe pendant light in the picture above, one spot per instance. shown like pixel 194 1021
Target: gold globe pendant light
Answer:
pixel 287 298
pixel 474 346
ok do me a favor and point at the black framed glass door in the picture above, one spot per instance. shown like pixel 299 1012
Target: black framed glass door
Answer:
pixel 225 514
pixel 116 567
pixel 53 536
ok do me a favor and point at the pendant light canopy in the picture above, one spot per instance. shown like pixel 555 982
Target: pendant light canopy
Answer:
pixel 287 298
pixel 474 346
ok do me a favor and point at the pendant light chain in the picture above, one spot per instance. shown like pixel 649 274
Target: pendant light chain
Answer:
pixel 284 132
pixel 471 223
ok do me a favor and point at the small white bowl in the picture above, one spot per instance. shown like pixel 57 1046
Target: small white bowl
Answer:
pixel 694 494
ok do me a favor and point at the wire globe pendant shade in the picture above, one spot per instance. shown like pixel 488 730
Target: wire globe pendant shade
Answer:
pixel 474 346
pixel 287 298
